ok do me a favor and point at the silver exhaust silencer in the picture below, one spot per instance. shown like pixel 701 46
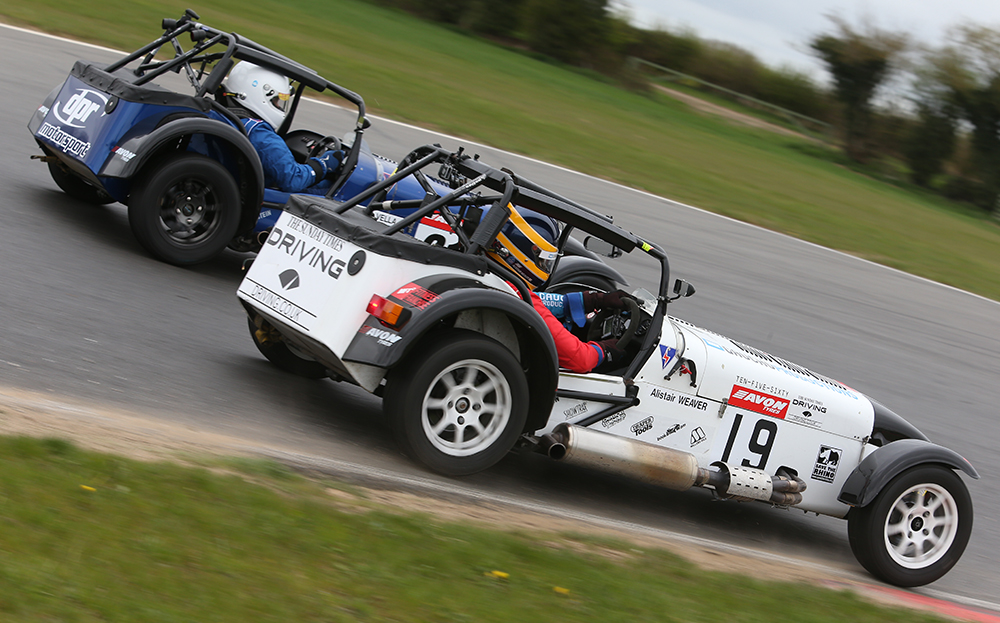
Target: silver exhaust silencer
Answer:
pixel 636 459
pixel 667 467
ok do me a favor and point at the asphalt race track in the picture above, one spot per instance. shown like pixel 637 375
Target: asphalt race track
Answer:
pixel 87 315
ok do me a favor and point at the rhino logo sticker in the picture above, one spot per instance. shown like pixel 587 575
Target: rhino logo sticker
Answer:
pixel 827 462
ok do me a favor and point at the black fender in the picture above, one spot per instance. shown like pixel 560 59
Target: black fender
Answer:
pixel 572 268
pixel 538 350
pixel 147 147
pixel 882 465
pixel 889 427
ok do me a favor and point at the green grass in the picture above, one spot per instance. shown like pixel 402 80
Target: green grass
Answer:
pixel 93 537
pixel 429 75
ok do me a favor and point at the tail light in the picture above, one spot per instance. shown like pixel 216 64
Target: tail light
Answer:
pixel 388 313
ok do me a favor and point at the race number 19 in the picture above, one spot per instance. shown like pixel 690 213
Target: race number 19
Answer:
pixel 760 443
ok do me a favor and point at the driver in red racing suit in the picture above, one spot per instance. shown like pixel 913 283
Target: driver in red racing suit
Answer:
pixel 526 246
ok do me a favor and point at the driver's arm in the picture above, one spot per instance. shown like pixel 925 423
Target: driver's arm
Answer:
pixel 281 171
pixel 574 355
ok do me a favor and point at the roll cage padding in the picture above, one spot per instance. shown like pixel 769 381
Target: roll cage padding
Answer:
pixel 250 178
pixel 884 464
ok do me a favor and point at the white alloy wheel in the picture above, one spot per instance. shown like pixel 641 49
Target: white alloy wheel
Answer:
pixel 921 526
pixel 466 408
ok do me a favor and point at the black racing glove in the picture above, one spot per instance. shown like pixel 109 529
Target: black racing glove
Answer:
pixel 612 354
pixel 604 300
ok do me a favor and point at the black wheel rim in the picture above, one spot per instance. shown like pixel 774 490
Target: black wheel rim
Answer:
pixel 190 212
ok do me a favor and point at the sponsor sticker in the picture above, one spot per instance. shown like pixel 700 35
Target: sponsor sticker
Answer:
pixel 278 304
pixel 670 431
pixel 123 153
pixel 807 412
pixel 309 245
pixel 666 355
pixel 809 405
pixel 758 402
pixel 415 295
pixel 764 387
pixel 575 411
pixel 79 107
pixel 614 418
pixel 827 462
pixel 66 142
pixel 643 426
pixel 384 338
pixel 698 436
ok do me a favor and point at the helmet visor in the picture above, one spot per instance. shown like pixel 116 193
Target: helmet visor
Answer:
pixel 280 101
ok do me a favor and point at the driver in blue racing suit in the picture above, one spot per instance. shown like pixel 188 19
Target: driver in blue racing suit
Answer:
pixel 261 97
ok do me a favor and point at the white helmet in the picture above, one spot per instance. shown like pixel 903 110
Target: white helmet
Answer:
pixel 261 91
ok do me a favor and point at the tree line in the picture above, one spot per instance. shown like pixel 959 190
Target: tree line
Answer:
pixel 933 113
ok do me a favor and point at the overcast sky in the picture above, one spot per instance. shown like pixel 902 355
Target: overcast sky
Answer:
pixel 777 31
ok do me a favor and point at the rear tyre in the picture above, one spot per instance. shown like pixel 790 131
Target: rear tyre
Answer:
pixel 459 406
pixel 916 529
pixel 270 344
pixel 185 209
pixel 76 187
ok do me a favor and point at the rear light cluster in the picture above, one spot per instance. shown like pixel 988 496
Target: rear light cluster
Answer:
pixel 388 313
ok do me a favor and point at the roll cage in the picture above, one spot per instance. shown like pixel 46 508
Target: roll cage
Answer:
pixel 476 185
pixel 209 60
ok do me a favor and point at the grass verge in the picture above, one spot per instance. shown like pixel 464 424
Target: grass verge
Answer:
pixel 422 73
pixel 95 537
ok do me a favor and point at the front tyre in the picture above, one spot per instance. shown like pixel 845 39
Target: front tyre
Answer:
pixel 185 209
pixel 459 406
pixel 916 529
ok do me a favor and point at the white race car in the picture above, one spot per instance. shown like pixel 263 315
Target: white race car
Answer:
pixel 468 370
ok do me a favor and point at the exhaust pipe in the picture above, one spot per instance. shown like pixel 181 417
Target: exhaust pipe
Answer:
pixel 667 467
pixel 643 461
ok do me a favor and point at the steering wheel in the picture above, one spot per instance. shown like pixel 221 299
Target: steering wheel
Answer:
pixel 594 333
pixel 323 144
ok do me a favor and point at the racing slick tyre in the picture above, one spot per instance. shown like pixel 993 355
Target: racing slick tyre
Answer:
pixel 270 344
pixel 916 529
pixel 76 187
pixel 185 209
pixel 459 406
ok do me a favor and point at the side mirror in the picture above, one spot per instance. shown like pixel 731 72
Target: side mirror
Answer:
pixel 682 289
pixel 601 247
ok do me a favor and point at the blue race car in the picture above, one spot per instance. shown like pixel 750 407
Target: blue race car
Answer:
pixel 183 163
